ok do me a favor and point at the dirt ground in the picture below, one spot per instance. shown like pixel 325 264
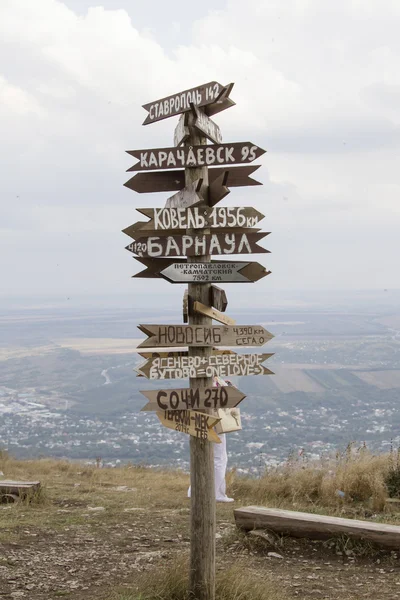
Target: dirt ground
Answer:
pixel 96 531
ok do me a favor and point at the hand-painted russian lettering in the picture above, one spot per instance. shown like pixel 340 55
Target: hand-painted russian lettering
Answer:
pixel 202 95
pixel 192 398
pixel 164 336
pixel 223 365
pixel 213 272
pixel 198 217
pixel 195 156
pixel 198 245
pixel 194 423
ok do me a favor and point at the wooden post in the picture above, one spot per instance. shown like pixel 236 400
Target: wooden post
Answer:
pixel 203 511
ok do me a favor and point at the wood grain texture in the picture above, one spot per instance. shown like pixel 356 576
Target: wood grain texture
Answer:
pixel 298 524
pixel 180 365
pixel 192 399
pixel 215 271
pixel 218 298
pixel 211 93
pixel 218 244
pixel 170 336
pixel 208 311
pixel 18 488
pixel 194 423
pixel 202 505
pixel 169 181
pixel 179 218
pixel 154 159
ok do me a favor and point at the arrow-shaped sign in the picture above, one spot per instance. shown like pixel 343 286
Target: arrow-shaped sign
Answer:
pixel 195 156
pixel 186 197
pixel 197 424
pixel 175 353
pixel 181 366
pixel 206 126
pixel 169 336
pixel 167 181
pixel 211 94
pixel 198 245
pixel 213 272
pixel 154 266
pixel 217 190
pixel 193 398
pixel 195 217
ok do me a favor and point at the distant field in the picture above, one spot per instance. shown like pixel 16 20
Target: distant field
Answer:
pixel 292 380
pixel 100 345
pixel 384 380
pixel 390 321
pixel 22 351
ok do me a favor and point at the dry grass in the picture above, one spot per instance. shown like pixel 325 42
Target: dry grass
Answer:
pixel 71 490
pixel 355 478
pixel 235 583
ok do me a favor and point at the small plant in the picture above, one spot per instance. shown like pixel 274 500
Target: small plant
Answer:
pixel 235 583
pixel 392 479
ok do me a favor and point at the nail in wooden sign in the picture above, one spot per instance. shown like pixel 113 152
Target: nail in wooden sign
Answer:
pixel 196 217
pixel 195 156
pixel 207 126
pixel 203 95
pixel 181 366
pixel 192 398
pixel 168 181
pixel 197 424
pixel 213 272
pixel 198 245
pixel 165 336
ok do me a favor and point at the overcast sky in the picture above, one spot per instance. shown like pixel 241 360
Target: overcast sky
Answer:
pixel 317 84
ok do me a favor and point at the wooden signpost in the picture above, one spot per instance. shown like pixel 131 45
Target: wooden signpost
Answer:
pixel 180 366
pixel 201 172
pixel 193 399
pixel 169 181
pixel 198 245
pixel 197 424
pixel 169 336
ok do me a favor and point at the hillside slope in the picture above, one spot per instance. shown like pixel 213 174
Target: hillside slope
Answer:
pixel 95 533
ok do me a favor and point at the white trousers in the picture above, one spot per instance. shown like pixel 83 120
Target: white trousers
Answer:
pixel 220 463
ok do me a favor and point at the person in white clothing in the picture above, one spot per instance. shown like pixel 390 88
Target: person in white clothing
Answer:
pixel 220 460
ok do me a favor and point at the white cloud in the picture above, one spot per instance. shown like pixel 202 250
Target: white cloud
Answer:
pixel 317 85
